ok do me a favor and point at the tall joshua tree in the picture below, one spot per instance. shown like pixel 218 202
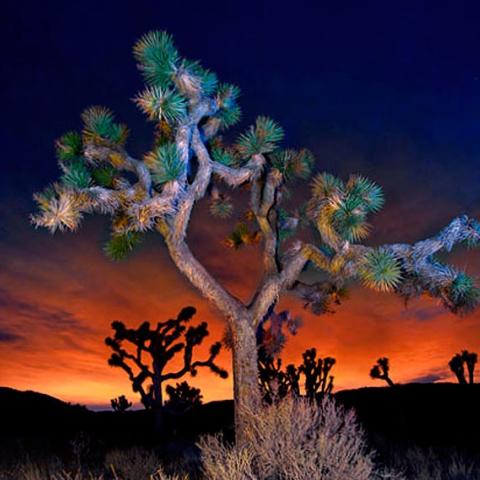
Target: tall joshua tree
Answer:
pixel 381 371
pixel 189 160
pixel 153 349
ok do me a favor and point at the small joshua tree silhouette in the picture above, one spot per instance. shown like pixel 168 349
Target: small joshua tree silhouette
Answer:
pixel 470 359
pixel 381 370
pixel 120 404
pixel 277 383
pixel 160 343
pixel 318 380
pixel 457 366
pixel 183 397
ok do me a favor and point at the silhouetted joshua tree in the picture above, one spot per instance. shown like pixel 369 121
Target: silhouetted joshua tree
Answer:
pixel 276 383
pixel 381 370
pixel 120 404
pixel 183 397
pixel 318 380
pixel 470 359
pixel 457 366
pixel 153 348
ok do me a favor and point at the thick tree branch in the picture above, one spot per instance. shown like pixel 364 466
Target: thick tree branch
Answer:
pixel 237 176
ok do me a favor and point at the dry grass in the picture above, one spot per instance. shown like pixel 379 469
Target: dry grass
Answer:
pixel 421 464
pixel 294 440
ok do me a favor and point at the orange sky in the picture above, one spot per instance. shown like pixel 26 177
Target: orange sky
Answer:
pixel 59 296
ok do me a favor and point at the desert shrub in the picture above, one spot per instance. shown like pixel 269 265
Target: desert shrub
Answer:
pixel 133 464
pixel 428 464
pixel 296 440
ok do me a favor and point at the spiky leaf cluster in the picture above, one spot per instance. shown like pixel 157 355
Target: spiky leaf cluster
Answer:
pixel 225 156
pixel 292 163
pixel 157 58
pixel 340 209
pixel 221 207
pixel 59 209
pixel 104 175
pixel 260 138
pixel 229 112
pixel 242 235
pixel 380 270
pixel 76 174
pixel 463 293
pixel 69 147
pixel 162 104
pixel 164 163
pixel 119 246
pixel 205 79
pixel 99 125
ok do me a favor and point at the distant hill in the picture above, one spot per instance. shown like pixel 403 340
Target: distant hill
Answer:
pixel 432 414
pixel 439 414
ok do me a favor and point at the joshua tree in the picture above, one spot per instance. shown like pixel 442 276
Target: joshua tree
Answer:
pixel 276 383
pixel 381 370
pixel 456 366
pixel 182 397
pixel 318 380
pixel 189 160
pixel 470 359
pixel 120 404
pixel 153 349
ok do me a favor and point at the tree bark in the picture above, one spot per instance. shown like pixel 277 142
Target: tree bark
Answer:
pixel 245 376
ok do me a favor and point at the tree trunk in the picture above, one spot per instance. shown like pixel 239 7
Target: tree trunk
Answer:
pixel 245 376
pixel 389 381
pixel 470 375
pixel 157 404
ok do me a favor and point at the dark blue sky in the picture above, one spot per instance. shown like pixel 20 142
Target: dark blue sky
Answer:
pixel 375 73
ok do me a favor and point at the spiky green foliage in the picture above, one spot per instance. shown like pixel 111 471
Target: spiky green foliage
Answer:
pixel 292 163
pixel 260 138
pixel 69 147
pixel 370 193
pixel 473 240
pixel 161 104
pixel 229 112
pixel 224 156
pixel 104 176
pixel 463 293
pixel 77 175
pixel 349 219
pixel 119 246
pixel 340 209
pixel 164 163
pixel 99 124
pixel 221 207
pixel 380 270
pixel 157 58
pixel 207 80
pixel 326 185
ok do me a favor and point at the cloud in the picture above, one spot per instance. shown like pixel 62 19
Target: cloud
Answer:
pixel 48 316
pixel 424 313
pixel 9 337
pixel 429 378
